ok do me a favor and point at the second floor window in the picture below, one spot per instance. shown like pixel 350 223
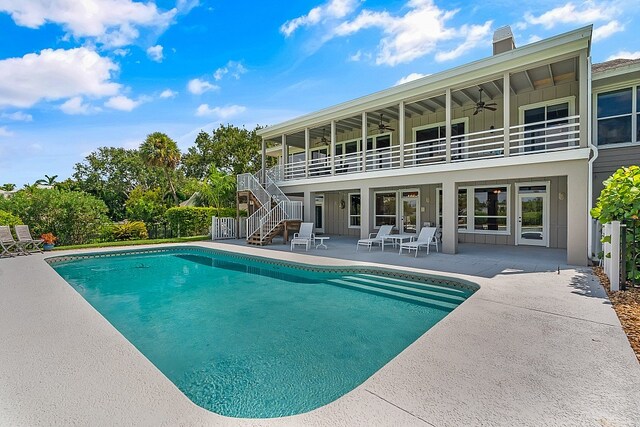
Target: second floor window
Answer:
pixel 618 116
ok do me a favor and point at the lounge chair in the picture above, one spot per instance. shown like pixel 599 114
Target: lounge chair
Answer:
pixel 24 237
pixel 376 238
pixel 426 238
pixel 304 237
pixel 8 244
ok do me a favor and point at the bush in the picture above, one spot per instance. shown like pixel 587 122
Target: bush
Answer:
pixel 8 219
pixel 145 205
pixel 193 221
pixel 134 230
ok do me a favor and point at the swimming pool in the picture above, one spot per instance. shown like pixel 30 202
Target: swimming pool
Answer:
pixel 249 337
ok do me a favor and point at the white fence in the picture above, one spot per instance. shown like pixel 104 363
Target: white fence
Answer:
pixel 611 248
pixel 223 228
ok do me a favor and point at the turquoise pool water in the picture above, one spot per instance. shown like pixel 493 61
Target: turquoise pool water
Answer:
pixel 246 338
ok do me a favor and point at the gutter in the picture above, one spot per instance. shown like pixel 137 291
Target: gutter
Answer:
pixel 591 254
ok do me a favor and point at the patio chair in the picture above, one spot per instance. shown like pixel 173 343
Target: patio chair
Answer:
pixel 376 238
pixel 304 237
pixel 24 237
pixel 426 238
pixel 8 244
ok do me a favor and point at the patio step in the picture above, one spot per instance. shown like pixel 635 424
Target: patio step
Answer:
pixel 419 285
pixel 382 283
pixel 396 294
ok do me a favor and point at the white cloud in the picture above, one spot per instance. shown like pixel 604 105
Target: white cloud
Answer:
pixel 233 68
pixel 168 93
pixel 333 9
pixel 121 52
pixel 410 77
pixel 418 32
pixel 625 54
pixel 18 116
pixel 604 31
pixel 75 106
pixel 122 103
pixel 220 112
pixel 587 12
pixel 4 132
pixel 55 74
pixel 198 87
pixel 155 53
pixel 111 22
pixel 355 57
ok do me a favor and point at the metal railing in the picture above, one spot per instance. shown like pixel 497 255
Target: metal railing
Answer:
pixel 253 221
pixel 282 211
pixel 545 136
pixel 223 228
pixel 422 153
pixel 383 158
pixel 249 182
pixel 485 144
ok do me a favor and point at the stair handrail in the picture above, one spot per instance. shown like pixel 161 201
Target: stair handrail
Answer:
pixel 249 182
pixel 285 209
pixel 254 221
pixel 273 189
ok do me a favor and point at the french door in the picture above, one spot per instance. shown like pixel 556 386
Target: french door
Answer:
pixel 533 215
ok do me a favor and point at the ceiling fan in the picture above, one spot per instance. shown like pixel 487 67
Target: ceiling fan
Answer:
pixel 383 127
pixel 323 140
pixel 481 105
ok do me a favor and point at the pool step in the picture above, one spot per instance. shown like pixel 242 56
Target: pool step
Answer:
pixel 396 294
pixel 420 285
pixel 412 289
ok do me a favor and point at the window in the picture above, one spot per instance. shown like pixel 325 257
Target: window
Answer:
pixel 385 209
pixel 347 156
pixel 354 210
pixel 615 110
pixel 539 133
pixel 379 151
pixel 481 209
pixel 431 139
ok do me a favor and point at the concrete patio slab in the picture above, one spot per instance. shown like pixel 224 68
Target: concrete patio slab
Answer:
pixel 531 347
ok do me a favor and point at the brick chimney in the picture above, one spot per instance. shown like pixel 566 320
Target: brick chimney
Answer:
pixel 503 40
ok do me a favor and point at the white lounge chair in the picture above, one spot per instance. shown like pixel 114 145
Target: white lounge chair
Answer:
pixel 8 244
pixel 24 237
pixel 304 237
pixel 426 238
pixel 376 238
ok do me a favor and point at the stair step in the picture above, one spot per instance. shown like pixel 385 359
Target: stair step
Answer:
pixel 380 282
pixel 438 305
pixel 420 285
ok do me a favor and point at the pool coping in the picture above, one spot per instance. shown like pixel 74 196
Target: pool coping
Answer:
pixel 406 391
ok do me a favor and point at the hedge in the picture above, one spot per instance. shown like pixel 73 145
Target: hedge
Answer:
pixel 7 218
pixel 194 221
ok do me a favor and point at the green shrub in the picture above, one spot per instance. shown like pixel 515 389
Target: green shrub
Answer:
pixel 134 230
pixel 8 219
pixel 194 221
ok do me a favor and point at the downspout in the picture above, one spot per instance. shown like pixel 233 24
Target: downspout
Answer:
pixel 591 255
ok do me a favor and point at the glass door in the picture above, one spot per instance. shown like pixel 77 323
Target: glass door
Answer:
pixel 409 208
pixel 533 206
pixel 319 214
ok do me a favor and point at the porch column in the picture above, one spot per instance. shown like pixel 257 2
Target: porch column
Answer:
pixel 332 153
pixel 447 123
pixel 364 141
pixel 308 202
pixel 506 120
pixel 585 98
pixel 284 156
pixel 577 214
pixel 401 124
pixel 306 152
pixel 366 212
pixel 263 177
pixel 449 217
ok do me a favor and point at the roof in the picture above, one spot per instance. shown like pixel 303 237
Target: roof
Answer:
pixel 613 64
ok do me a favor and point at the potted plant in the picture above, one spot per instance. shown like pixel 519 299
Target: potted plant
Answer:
pixel 49 241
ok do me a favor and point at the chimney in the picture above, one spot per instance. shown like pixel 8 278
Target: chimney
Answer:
pixel 503 40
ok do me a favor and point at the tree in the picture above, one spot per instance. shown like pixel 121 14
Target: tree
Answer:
pixel 145 205
pixel 48 181
pixel 197 160
pixel 160 151
pixel 110 174
pixel 8 187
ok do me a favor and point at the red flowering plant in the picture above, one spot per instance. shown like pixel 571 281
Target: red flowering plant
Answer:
pixel 48 238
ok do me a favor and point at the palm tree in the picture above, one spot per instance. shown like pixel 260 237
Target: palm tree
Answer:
pixel 49 181
pixel 8 187
pixel 161 151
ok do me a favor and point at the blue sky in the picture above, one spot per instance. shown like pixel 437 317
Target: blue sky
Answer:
pixel 79 74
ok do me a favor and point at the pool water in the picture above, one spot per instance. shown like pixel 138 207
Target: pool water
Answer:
pixel 245 338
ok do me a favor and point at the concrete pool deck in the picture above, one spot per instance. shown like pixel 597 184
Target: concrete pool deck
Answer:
pixel 531 347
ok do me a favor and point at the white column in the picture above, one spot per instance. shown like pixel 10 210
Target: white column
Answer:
pixel 308 203
pixel 284 156
pixel 577 214
pixel 584 99
pixel 506 101
pixel 449 217
pixel 366 212
pixel 447 123
pixel 332 154
pixel 263 178
pixel 306 152
pixel 364 141
pixel 614 276
pixel 401 125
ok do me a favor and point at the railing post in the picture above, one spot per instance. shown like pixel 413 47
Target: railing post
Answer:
pixel 363 167
pixel 401 124
pixel 306 152
pixel 614 277
pixel 447 124
pixel 506 117
pixel 333 147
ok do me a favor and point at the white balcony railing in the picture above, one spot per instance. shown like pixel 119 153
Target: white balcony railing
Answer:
pixel 531 138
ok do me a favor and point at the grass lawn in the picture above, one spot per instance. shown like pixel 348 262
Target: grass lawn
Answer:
pixel 133 243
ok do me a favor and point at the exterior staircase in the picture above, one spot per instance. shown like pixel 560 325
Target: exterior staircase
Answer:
pixel 275 210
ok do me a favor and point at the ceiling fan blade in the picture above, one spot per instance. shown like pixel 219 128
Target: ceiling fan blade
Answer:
pixel 490 104
pixel 490 108
pixel 390 129
pixel 476 112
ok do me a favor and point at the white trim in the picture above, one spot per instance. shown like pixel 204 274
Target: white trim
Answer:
pixel 401 207
pixel 634 114
pixel 545 214
pixel 349 210
pixel 471 210
pixel 556 101
pixel 375 212
pixel 322 205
